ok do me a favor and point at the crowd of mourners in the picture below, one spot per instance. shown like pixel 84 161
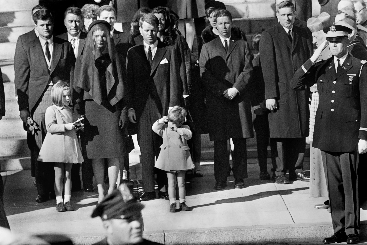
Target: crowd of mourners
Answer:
pixel 82 94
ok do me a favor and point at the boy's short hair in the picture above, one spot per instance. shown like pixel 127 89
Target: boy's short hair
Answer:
pixel 150 19
pixel 42 14
pixel 57 92
pixel 285 4
pixel 177 114
pixel 107 8
pixel 222 13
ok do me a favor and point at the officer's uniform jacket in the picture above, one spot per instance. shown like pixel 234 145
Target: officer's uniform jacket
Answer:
pixel 341 117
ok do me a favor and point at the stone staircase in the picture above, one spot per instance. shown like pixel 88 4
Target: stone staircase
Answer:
pixel 252 16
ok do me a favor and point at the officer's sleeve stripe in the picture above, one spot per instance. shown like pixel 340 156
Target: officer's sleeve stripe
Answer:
pixel 304 69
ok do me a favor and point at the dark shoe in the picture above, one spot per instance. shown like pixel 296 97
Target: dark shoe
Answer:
pixel 325 205
pixel 60 207
pixel 147 196
pixel 172 207
pixel 184 207
pixel 264 176
pixel 41 199
pixel 338 237
pixel 220 186
pixel 304 176
pixel 239 184
pixel 163 195
pixel 353 239
pixel 68 207
pixel 282 180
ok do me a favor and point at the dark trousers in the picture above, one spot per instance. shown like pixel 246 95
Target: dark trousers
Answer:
pixel 149 143
pixel 290 153
pixel 342 181
pixel 261 126
pixel 221 160
pixel 75 177
pixel 3 220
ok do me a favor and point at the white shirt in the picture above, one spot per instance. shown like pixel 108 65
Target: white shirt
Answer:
pixel 223 38
pixel 341 61
pixel 50 47
pixel 152 46
pixel 288 30
pixel 76 43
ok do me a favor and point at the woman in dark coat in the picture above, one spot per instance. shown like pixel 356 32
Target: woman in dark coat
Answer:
pixel 100 88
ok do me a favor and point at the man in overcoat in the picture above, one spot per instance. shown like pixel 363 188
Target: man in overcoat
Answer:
pixel 226 67
pixel 39 59
pixel 153 87
pixel 283 49
pixel 340 126
pixel 73 22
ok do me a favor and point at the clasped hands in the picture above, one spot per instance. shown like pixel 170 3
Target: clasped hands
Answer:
pixel 230 93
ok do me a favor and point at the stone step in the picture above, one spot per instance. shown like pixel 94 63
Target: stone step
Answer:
pixel 16 18
pixel 13 148
pixel 11 128
pixel 9 89
pixel 7 51
pixel 11 33
pixel 8 77
pixel 17 5
pixel 12 110
pixel 16 164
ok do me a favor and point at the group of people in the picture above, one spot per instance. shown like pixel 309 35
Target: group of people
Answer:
pixel 100 85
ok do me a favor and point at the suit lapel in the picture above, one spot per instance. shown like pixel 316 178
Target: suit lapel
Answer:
pixel 143 57
pixel 38 51
pixel 82 39
pixel 296 38
pixel 330 71
pixel 283 36
pixel 56 55
pixel 232 46
pixel 220 48
pixel 157 57
pixel 347 65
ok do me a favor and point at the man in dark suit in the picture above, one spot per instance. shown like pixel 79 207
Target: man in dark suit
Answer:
pixel 39 59
pixel 226 68
pixel 153 86
pixel 340 126
pixel 283 49
pixel 73 22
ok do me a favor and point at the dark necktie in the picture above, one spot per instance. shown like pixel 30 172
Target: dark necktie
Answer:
pixel 290 35
pixel 339 69
pixel 48 54
pixel 150 55
pixel 226 45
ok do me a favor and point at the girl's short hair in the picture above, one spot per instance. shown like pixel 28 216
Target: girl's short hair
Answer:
pixel 57 92
pixel 177 114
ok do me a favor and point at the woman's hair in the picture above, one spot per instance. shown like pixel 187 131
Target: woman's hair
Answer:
pixel 57 92
pixel 177 114
pixel 170 32
pixel 89 11
pixel 134 31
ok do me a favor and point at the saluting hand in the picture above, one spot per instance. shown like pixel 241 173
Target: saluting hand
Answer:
pixel 318 51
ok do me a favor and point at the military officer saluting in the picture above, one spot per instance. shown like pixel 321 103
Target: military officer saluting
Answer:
pixel 122 220
pixel 340 126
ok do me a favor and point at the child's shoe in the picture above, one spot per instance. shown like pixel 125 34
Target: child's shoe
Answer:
pixel 60 207
pixel 68 206
pixel 184 207
pixel 172 207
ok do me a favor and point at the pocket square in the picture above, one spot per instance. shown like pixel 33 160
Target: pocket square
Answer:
pixel 165 61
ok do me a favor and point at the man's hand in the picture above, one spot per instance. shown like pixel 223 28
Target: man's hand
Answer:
pixel 230 93
pixel 318 51
pixel 131 115
pixel 271 104
pixel 362 146
pixel 123 119
pixel 24 114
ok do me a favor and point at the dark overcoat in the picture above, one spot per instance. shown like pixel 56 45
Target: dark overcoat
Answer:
pixel 342 109
pixel 82 38
pixel 31 71
pixel 280 58
pixel 221 70
pixel 161 81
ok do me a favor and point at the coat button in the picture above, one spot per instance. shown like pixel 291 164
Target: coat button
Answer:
pixel 333 91
pixel 334 82
pixel 332 101
pixel 332 110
